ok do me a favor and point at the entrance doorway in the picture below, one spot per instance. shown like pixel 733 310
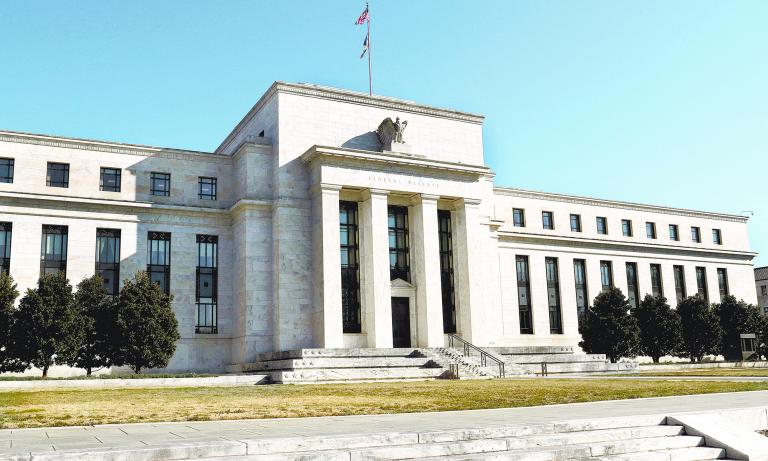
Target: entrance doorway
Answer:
pixel 401 322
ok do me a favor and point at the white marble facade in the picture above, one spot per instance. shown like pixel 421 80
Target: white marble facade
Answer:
pixel 281 174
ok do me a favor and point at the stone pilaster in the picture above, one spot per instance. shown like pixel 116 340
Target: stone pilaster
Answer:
pixel 327 266
pixel 426 271
pixel 375 288
pixel 469 271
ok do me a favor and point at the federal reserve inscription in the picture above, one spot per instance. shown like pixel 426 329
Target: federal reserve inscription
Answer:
pixel 412 182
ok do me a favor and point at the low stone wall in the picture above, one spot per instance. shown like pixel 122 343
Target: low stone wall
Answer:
pixel 694 366
pixel 116 383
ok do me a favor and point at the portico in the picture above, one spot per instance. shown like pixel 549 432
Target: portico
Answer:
pixel 398 263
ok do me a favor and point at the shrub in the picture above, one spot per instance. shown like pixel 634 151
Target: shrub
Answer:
pixel 608 328
pixel 736 317
pixel 8 294
pixel 660 327
pixel 701 328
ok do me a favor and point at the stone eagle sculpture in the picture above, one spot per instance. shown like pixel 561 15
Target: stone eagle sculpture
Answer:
pixel 390 132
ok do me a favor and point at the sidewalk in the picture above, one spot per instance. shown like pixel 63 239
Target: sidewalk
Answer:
pixel 21 442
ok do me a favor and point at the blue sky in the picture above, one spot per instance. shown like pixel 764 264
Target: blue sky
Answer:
pixel 648 101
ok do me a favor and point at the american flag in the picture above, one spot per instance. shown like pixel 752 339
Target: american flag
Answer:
pixel 363 17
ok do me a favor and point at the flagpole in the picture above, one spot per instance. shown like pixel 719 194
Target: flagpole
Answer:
pixel 370 67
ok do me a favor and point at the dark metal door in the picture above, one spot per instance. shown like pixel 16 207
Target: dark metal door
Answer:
pixel 401 323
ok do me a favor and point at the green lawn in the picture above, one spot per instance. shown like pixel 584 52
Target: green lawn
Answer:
pixel 707 372
pixel 85 407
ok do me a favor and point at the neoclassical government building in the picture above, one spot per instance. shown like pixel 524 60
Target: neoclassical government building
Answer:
pixel 332 219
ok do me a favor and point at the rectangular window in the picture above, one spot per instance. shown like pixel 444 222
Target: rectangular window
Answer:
pixel 399 258
pixel 674 234
pixel 722 281
pixel 58 175
pixel 650 230
pixel 518 217
pixel 207 188
pixel 6 170
pixel 602 225
pixel 701 283
pixel 575 223
pixel 633 293
pixel 207 286
pixel 110 179
pixel 53 254
pixel 108 258
pixel 159 259
pixel 606 274
pixel 764 290
pixel 446 270
pixel 6 229
pixel 657 286
pixel 350 267
pixel 626 228
pixel 717 237
pixel 160 184
pixel 524 295
pixel 580 277
pixel 680 290
pixel 547 220
pixel 553 294
pixel 696 234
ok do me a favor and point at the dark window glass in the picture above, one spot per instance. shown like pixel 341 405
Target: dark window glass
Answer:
pixel 722 281
pixel 575 223
pixel 632 290
pixel 6 229
pixel 553 294
pixel 160 184
pixel 602 225
pixel 207 188
pixel 674 234
pixel 547 220
pixel 108 258
pixel 159 259
pixel 680 291
pixel 626 228
pixel 53 254
pixel 650 230
pixel 717 237
pixel 701 283
pixel 696 234
pixel 110 179
pixel 580 277
pixel 58 175
pixel 399 260
pixel 445 232
pixel 606 274
pixel 518 217
pixel 6 170
pixel 207 287
pixel 524 295
pixel 350 267
pixel 657 286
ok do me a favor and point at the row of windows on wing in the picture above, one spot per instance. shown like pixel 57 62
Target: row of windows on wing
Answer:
pixel 111 179
pixel 53 259
pixel 607 281
pixel 399 261
pixel 601 224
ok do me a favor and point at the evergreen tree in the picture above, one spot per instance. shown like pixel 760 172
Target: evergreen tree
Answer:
pixel 97 316
pixel 147 325
pixel 660 327
pixel 736 317
pixel 608 327
pixel 46 330
pixel 8 294
pixel 701 328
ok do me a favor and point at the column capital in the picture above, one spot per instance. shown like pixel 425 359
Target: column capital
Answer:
pixel 324 188
pixel 367 194
pixel 420 198
pixel 470 201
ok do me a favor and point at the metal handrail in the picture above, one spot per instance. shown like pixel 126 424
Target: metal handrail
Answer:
pixel 469 347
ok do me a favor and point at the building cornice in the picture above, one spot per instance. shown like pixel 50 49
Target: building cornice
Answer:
pixel 353 97
pixel 105 146
pixel 522 193
pixel 340 154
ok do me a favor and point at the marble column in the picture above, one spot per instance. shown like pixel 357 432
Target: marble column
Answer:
pixel 375 287
pixel 426 271
pixel 327 267
pixel 469 271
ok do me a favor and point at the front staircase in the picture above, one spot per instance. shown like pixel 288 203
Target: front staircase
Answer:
pixel 559 360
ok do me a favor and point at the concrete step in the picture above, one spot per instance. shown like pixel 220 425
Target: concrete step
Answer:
pixel 522 350
pixel 354 374
pixel 676 454
pixel 339 362
pixel 344 353
pixel 581 367
pixel 554 358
